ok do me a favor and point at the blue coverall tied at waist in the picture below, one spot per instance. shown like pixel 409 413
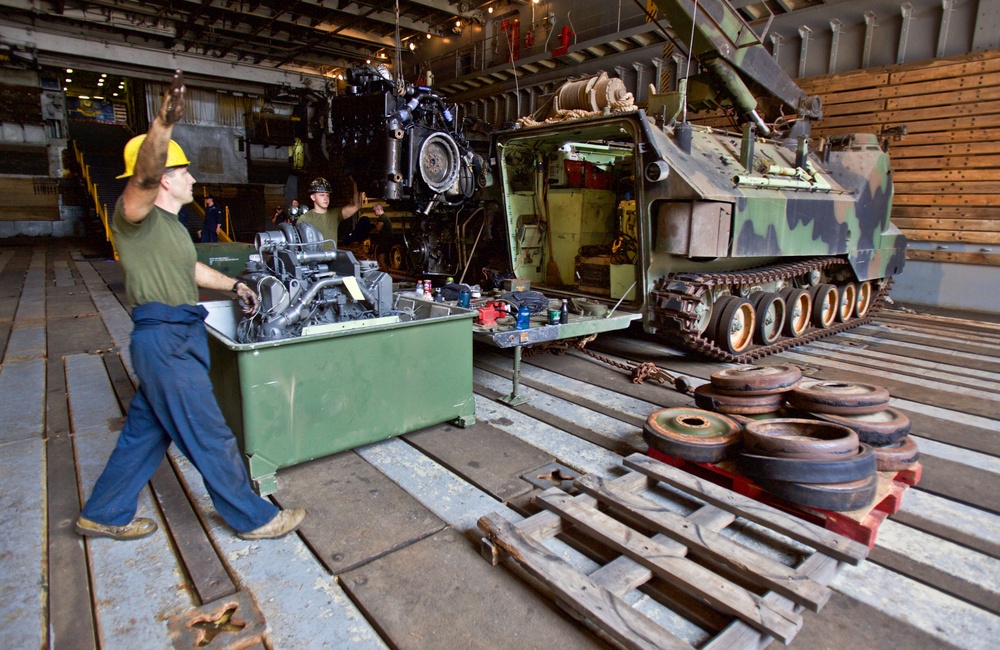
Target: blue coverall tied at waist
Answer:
pixel 175 402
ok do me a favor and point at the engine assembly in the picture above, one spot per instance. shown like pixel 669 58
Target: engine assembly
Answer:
pixel 403 143
pixel 301 285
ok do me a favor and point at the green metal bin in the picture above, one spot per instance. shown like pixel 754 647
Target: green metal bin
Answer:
pixel 294 400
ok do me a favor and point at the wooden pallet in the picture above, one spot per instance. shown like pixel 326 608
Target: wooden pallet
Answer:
pixel 596 599
pixel 859 525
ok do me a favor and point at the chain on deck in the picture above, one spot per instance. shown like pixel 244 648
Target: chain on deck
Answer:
pixel 675 301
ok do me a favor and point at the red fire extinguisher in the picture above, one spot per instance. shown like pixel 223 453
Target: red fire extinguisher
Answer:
pixel 565 36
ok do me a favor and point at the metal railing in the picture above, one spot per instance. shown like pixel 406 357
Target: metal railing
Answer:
pixel 100 208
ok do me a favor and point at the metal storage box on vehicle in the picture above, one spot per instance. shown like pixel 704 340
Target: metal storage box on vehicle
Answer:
pixel 297 399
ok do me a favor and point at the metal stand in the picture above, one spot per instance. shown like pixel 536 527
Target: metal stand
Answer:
pixel 514 399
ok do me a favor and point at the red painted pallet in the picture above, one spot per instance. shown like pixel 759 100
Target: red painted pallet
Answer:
pixel 860 525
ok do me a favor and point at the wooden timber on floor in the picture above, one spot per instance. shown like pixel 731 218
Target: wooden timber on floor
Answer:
pixel 389 555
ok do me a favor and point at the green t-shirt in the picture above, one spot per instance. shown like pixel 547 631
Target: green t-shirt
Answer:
pixel 158 258
pixel 327 223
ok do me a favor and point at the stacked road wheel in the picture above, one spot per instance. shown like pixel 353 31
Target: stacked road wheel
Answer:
pixel 810 463
pixel 864 408
pixel 748 390
pixel 839 398
pixel 692 434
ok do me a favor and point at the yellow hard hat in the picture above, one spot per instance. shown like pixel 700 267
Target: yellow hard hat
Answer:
pixel 175 155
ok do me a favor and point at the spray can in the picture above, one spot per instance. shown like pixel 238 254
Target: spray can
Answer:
pixel 564 313
pixel 464 298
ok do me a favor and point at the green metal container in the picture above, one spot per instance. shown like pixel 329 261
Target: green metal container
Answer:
pixel 298 399
pixel 226 257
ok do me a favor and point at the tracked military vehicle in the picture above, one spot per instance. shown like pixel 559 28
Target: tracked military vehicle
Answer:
pixel 736 243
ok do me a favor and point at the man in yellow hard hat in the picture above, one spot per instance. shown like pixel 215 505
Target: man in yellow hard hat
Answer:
pixel 327 219
pixel 174 401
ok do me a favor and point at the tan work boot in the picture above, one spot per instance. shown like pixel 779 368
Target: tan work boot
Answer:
pixel 136 529
pixel 283 523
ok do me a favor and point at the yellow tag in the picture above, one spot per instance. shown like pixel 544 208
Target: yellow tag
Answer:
pixel 351 283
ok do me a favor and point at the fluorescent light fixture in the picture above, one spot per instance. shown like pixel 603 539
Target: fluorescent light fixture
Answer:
pixel 84 96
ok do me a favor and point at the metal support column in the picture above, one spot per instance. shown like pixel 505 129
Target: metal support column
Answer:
pixel 514 399
pixel 837 28
pixel 907 10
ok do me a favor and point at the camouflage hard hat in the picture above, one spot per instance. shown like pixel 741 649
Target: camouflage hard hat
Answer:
pixel 319 185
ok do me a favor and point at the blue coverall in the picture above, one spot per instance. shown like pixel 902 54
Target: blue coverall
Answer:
pixel 175 402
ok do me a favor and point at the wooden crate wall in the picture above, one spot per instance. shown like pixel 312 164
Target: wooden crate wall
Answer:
pixel 946 169
pixel 29 199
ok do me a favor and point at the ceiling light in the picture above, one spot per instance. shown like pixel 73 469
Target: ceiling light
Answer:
pixel 490 9
pixel 96 97
pixel 428 37
pixel 69 70
pixel 114 94
pixel 104 74
pixel 84 96
pixel 413 46
pixel 368 61
pixel 68 80
pixel 458 23
pixel 65 88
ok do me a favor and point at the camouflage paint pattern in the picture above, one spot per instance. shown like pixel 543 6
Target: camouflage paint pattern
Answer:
pixel 848 218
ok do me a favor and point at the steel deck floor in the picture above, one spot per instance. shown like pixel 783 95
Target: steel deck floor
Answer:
pixel 388 556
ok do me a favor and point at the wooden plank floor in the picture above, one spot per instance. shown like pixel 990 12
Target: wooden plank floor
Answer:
pixel 389 554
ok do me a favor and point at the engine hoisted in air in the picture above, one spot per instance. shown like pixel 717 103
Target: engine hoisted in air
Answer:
pixel 403 144
pixel 301 285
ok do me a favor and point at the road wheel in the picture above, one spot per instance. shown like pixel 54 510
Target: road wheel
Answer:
pixel 897 456
pixel 794 438
pixel 769 310
pixel 798 306
pixel 706 397
pixel 803 470
pixel 734 331
pixel 882 428
pixel 825 302
pixel 692 434
pixel 397 257
pixel 864 299
pixel 839 398
pixel 839 497
pixel 756 380
pixel 848 300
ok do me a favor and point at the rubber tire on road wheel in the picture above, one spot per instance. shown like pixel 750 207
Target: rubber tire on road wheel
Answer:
pixel 766 303
pixel 706 397
pixel 882 428
pixel 848 294
pixel 724 334
pixel 794 438
pixel 897 456
pixel 756 380
pixel 825 301
pixel 796 325
pixel 713 319
pixel 803 470
pixel 839 497
pixel 866 296
pixel 839 398
pixel 692 434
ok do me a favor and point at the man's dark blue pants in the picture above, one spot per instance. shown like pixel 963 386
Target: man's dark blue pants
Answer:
pixel 175 403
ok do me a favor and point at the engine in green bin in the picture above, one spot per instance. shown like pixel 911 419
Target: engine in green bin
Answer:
pixel 304 282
